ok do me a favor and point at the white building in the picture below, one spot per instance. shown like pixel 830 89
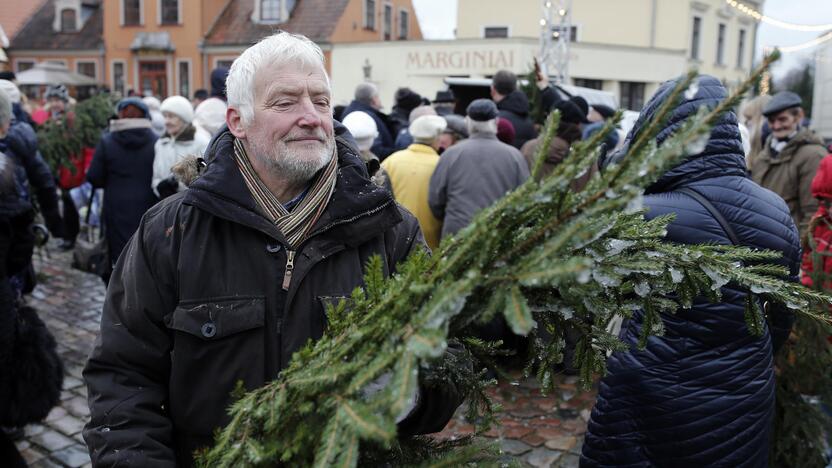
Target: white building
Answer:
pixel 822 102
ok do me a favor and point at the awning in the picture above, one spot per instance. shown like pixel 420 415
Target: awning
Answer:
pixel 46 73
pixel 159 41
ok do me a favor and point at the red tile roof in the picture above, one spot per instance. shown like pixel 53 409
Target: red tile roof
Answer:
pixel 38 34
pixel 14 15
pixel 315 19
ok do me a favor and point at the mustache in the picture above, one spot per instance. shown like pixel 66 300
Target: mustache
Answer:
pixel 306 135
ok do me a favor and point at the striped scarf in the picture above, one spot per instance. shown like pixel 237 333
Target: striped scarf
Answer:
pixel 297 224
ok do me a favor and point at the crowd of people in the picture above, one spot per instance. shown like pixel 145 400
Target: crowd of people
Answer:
pixel 233 217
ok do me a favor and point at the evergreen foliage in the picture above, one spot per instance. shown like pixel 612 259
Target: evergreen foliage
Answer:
pixel 59 139
pixel 544 258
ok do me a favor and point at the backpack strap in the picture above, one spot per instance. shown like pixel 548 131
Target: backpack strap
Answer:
pixel 713 211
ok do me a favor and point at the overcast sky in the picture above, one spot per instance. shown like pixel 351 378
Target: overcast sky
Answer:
pixel 438 20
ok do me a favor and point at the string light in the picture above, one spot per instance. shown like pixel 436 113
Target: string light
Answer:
pixel 795 48
pixel 775 22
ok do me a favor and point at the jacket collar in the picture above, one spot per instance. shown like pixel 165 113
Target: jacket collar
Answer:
pixel 357 211
pixel 420 148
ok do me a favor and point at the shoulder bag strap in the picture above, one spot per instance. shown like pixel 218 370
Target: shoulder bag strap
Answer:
pixel 714 212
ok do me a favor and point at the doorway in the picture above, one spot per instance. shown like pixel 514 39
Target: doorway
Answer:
pixel 153 79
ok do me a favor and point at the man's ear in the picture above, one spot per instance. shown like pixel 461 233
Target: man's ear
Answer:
pixel 235 122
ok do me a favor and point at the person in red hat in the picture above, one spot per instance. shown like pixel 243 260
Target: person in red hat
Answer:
pixel 817 254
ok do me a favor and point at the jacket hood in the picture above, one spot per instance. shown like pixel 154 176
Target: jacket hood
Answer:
pixel 723 154
pixel 133 138
pixel 822 183
pixel 516 102
pixel 361 208
pixel 21 139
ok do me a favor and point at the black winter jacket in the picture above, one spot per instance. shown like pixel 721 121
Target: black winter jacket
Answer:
pixel 702 394
pixel 515 109
pixel 196 304
pixel 21 145
pixel 123 167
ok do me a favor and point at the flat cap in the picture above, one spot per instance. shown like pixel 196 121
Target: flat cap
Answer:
pixel 482 110
pixel 782 101
pixel 456 124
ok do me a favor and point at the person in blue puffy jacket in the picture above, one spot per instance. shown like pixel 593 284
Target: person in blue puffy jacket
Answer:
pixel 702 394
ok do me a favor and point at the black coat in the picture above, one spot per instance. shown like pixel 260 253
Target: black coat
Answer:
pixel 123 167
pixel 196 305
pixel 21 145
pixel 384 144
pixel 702 394
pixel 515 109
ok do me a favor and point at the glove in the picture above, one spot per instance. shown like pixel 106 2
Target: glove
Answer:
pixel 167 187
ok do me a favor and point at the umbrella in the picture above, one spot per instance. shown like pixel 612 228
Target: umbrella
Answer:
pixel 46 73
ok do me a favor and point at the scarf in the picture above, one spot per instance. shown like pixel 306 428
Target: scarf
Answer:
pixel 297 224
pixel 778 145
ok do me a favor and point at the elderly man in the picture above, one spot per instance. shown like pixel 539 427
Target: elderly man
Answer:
pixel 368 100
pixel 791 156
pixel 474 173
pixel 223 282
pixel 409 171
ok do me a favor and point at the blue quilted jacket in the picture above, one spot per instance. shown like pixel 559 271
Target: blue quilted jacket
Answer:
pixel 702 394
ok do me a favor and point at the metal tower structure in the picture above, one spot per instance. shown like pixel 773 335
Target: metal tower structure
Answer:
pixel 555 37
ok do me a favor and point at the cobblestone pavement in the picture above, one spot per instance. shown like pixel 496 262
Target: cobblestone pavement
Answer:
pixel 540 431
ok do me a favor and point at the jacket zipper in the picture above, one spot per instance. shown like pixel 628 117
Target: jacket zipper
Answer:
pixel 290 266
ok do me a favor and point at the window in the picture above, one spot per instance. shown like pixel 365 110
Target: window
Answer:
pixel 118 77
pixel 694 37
pixel 169 11
pixel 404 24
pixel 720 45
pixel 184 71
pixel 132 12
pixel 387 25
pixel 495 32
pixel 632 95
pixel 270 10
pixel 587 83
pixel 23 65
pixel 223 63
pixel 68 20
pixel 741 49
pixel 370 14
pixel 86 68
pixel 557 33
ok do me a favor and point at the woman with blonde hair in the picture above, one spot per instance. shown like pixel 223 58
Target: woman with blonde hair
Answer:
pixel 752 117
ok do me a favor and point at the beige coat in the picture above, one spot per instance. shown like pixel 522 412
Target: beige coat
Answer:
pixel 790 174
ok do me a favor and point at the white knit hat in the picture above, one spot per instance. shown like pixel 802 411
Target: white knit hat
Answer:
pixel 361 125
pixel 427 127
pixel 11 90
pixel 180 106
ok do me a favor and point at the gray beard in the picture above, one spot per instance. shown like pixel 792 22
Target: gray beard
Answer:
pixel 289 165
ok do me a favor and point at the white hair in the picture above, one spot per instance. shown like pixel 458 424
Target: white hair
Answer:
pixel 5 108
pixel 476 126
pixel 279 48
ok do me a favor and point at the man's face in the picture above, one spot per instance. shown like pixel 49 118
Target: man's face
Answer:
pixel 56 104
pixel 446 140
pixel 785 123
pixel 173 124
pixel 291 132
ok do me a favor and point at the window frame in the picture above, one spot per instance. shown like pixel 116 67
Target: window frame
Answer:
pixel 179 63
pixel 406 35
pixel 263 19
pixel 94 63
pixel 122 14
pixel 629 95
pixel 160 20
pixel 74 18
pixel 367 15
pixel 696 37
pixel 387 28
pixel 18 62
pixel 496 26
pixel 741 42
pixel 124 84
pixel 721 33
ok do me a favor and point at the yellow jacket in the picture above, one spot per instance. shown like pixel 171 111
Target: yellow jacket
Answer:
pixel 409 171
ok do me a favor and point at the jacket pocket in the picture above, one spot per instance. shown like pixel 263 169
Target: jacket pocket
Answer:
pixel 217 343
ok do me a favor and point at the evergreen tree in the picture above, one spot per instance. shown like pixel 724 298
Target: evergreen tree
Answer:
pixel 58 140
pixel 545 258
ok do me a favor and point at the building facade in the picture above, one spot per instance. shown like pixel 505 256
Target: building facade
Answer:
pixel 628 47
pixel 822 101
pixel 167 47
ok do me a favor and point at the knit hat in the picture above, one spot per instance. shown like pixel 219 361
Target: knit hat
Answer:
pixel 57 91
pixel 407 99
pixel 11 90
pixel 135 102
pixel 179 106
pixel 361 125
pixel 505 131
pixel 152 103
pixel 427 127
